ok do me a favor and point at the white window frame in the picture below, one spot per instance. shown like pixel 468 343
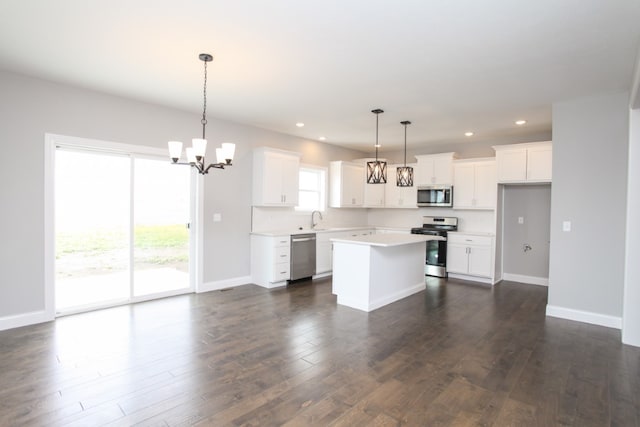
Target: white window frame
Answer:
pixel 322 181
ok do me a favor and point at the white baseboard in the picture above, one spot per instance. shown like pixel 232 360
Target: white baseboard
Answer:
pixel 18 320
pixel 223 284
pixel 531 280
pixel 584 316
pixel 388 299
pixel 485 280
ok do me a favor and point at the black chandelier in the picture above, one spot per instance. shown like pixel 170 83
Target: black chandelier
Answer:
pixel 377 170
pixel 195 153
pixel 404 174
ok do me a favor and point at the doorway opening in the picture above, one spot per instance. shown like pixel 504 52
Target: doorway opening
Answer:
pixel 122 228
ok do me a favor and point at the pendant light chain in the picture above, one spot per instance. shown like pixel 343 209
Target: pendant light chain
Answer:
pixel 405 145
pixel 377 117
pixel 204 105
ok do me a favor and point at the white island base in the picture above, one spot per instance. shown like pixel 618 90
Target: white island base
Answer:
pixel 375 270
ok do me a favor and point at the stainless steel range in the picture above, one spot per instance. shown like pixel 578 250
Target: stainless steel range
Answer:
pixel 436 257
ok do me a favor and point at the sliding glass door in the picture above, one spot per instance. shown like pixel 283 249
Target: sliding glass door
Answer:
pixel 121 224
pixel 161 227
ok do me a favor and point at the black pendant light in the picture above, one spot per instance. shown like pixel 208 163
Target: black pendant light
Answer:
pixel 404 174
pixel 377 170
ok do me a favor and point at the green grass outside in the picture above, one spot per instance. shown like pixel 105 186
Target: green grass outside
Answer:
pixel 98 241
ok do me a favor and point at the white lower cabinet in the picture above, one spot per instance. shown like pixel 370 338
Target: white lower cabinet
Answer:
pixel 470 255
pixel 270 260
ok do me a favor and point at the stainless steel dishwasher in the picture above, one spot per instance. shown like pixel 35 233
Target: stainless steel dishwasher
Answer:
pixel 303 255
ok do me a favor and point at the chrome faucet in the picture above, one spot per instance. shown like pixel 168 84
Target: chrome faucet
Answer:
pixel 313 223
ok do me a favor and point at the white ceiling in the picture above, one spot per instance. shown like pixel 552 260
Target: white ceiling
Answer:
pixel 449 66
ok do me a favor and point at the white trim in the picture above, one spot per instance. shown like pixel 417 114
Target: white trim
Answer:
pixel 115 147
pixel 521 278
pixel 396 296
pixel 486 280
pixel 24 319
pixel 49 228
pixel 193 230
pixel 631 298
pixel 634 98
pixel 199 234
pixel 584 316
pixel 223 284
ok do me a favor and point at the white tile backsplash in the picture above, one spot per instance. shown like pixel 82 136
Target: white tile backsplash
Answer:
pixel 270 219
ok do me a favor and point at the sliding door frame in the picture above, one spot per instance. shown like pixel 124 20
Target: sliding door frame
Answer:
pixel 133 151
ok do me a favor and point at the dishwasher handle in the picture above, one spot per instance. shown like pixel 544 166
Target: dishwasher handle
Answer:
pixel 302 239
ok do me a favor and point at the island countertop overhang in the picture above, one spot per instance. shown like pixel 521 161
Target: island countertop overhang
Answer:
pixel 386 240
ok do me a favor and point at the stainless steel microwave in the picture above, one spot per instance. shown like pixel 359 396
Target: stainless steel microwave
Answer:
pixel 435 195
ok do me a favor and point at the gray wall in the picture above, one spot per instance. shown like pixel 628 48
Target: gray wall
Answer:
pixel 29 108
pixel 533 204
pixel 590 142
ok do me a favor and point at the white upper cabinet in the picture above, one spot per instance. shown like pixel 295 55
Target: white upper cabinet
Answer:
pixel 474 184
pixel 346 184
pixel 521 163
pixel 434 169
pixel 399 197
pixel 275 177
pixel 374 194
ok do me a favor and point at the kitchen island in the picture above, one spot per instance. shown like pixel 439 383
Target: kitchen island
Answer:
pixel 375 270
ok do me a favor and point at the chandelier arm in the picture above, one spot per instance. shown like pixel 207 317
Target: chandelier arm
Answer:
pixel 215 166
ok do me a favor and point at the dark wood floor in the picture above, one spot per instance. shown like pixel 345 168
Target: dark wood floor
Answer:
pixel 456 354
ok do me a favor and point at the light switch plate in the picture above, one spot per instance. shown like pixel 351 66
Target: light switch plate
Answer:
pixel 566 225
pixel 520 220
pixel 217 217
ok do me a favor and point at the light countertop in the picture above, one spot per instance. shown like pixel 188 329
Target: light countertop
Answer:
pixel 387 240
pixel 473 233
pixel 272 233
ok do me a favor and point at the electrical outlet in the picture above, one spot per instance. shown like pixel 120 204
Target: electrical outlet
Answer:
pixel 217 217
pixel 520 220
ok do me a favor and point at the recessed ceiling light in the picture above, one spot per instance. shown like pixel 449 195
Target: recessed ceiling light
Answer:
pixel 468 134
pixel 521 122
pixel 300 124
pixel 322 138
